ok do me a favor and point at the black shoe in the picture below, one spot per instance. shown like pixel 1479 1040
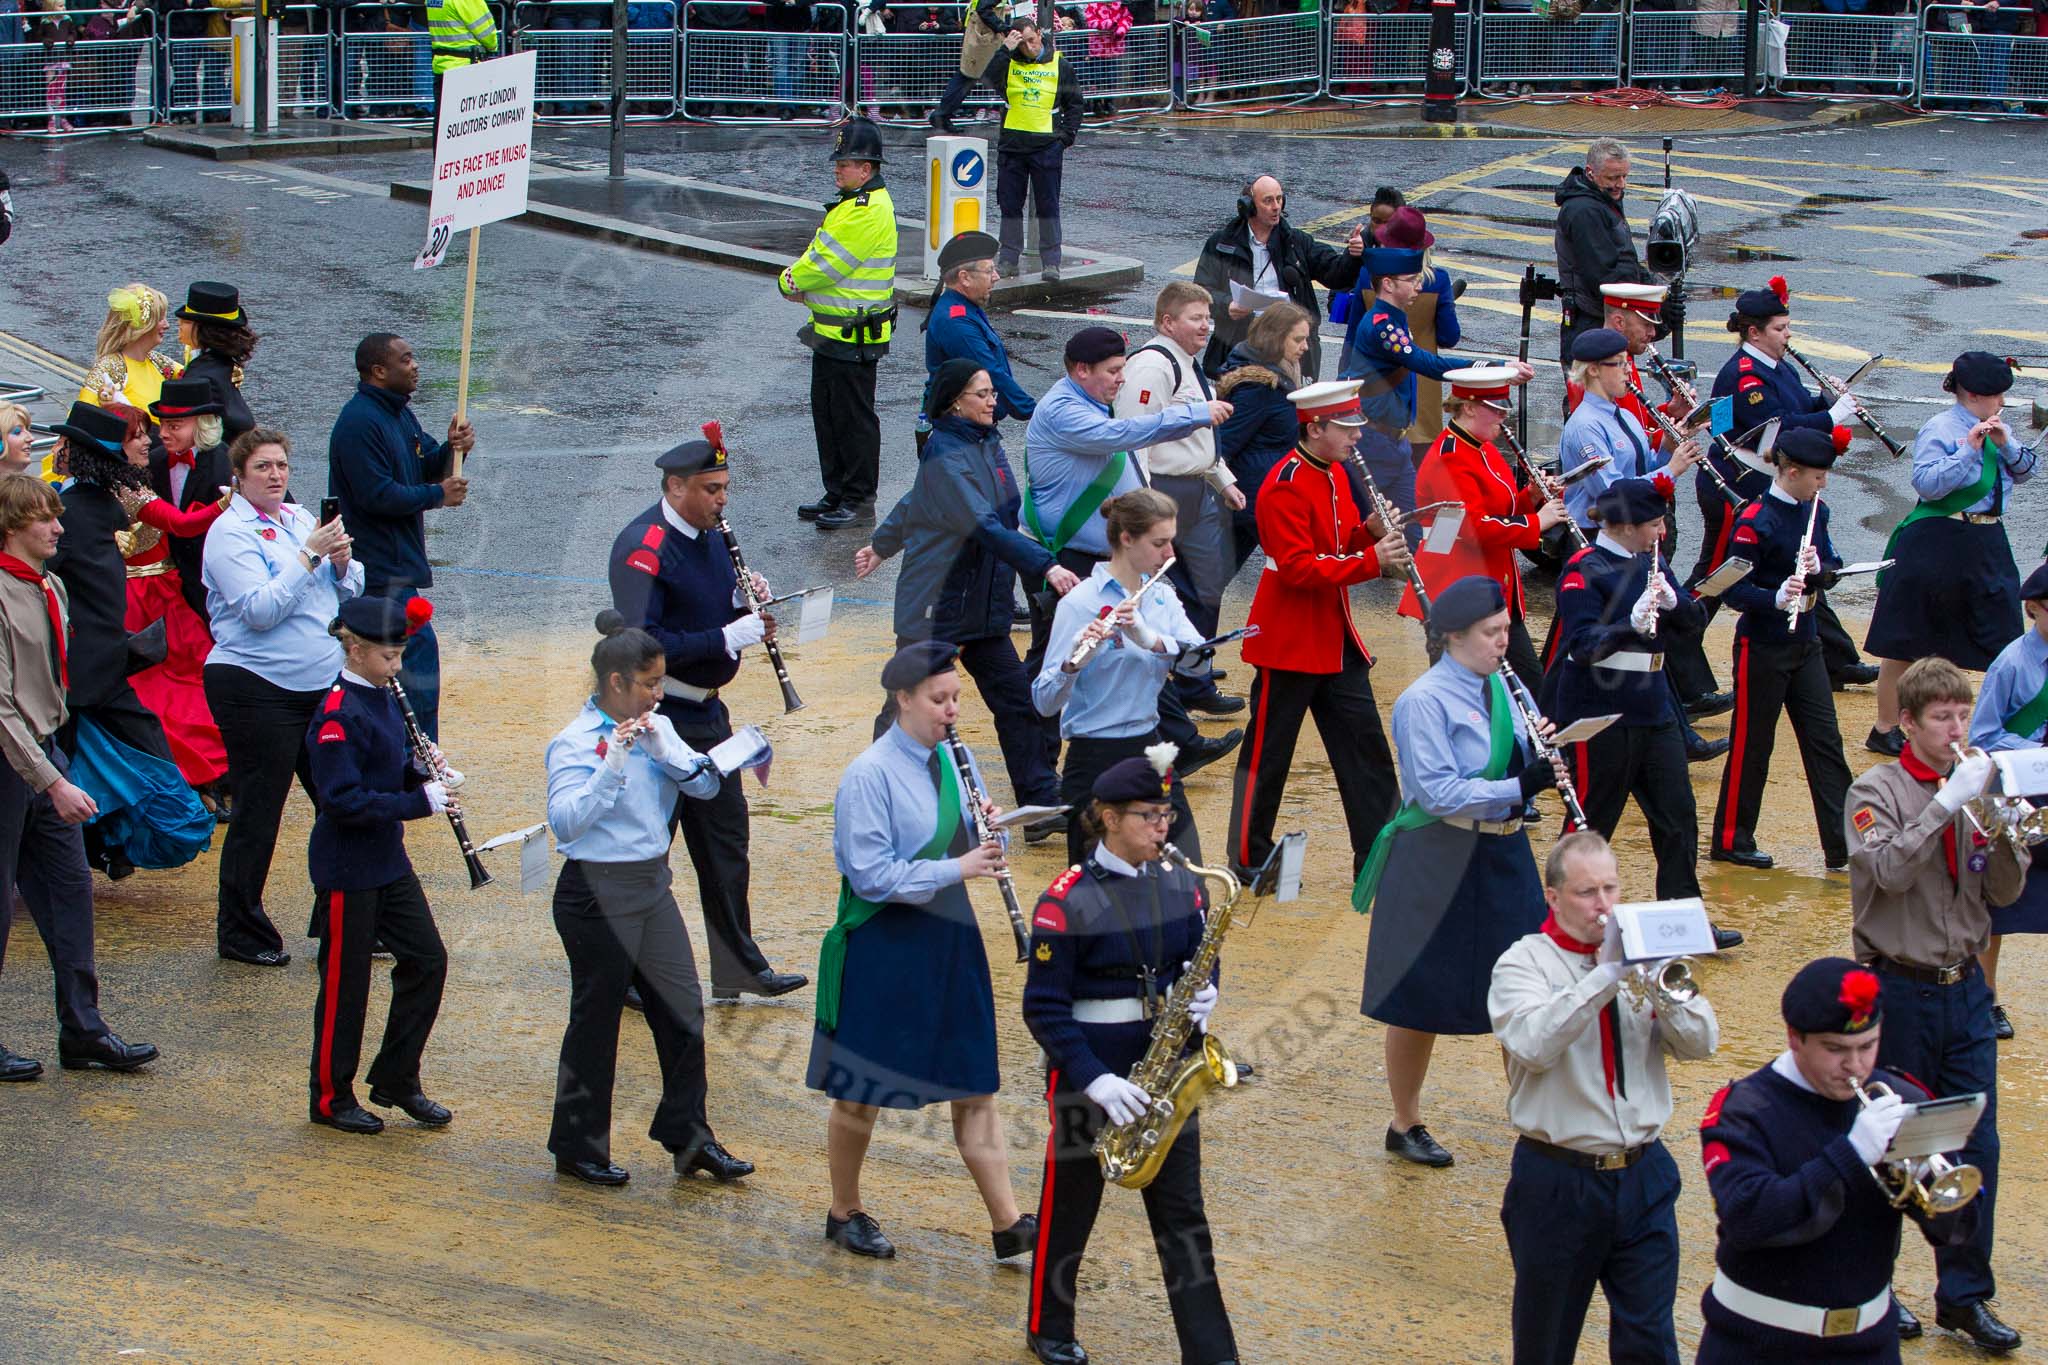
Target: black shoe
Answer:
pixel 811 511
pixel 1724 939
pixel 633 1000
pixel 942 123
pixel 707 1156
pixel 104 1053
pixel 1700 749
pixel 1909 1325
pixel 2001 1025
pixel 1418 1146
pixel 417 1107
pixel 1217 675
pixel 354 1119
pixel 1244 1069
pixel 18 1068
pixel 117 865
pixel 1050 274
pixel 846 514
pixel 768 983
pixel 1855 675
pixel 1056 1352
pixel 1742 857
pixel 1016 1239
pixel 268 958
pixel 594 1172
pixel 1204 751
pixel 1977 1322
pixel 1006 269
pixel 1890 742
pixel 1710 704
pixel 1020 616
pixel 1038 831
pixel 1214 703
pixel 859 1234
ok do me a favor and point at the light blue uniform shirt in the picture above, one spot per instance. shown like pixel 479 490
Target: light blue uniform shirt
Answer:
pixel 1116 693
pixel 267 613
pixel 1942 463
pixel 2014 679
pixel 1069 439
pixel 1597 427
pixel 601 816
pixel 885 811
pixel 1442 735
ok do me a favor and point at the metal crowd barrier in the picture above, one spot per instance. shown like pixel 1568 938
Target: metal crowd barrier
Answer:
pixel 1872 54
pixel 1700 43
pixel 1526 48
pixel 1275 56
pixel 1990 73
pixel 94 67
pixel 898 77
pixel 736 75
pixel 574 40
pixel 1136 74
pixel 1373 55
pixel 305 59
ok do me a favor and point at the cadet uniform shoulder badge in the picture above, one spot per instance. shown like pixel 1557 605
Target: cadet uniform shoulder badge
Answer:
pixel 1863 819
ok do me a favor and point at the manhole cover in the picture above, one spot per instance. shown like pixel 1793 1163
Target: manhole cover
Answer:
pixel 1957 279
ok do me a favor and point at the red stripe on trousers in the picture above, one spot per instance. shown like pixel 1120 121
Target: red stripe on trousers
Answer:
pixel 1731 777
pixel 334 915
pixel 1264 685
pixel 1582 761
pixel 1045 1202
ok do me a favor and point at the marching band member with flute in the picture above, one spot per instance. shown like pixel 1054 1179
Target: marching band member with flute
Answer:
pixel 1110 938
pixel 1778 667
pixel 1114 639
pixel 1450 879
pixel 1308 656
pixel 906 1014
pixel 367 783
pixel 1806 1236
pixel 1955 591
pixel 615 774
pixel 1593 1194
pixel 672 576
pixel 1922 879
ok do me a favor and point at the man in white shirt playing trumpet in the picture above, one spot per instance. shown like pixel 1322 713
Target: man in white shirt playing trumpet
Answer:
pixel 1592 1194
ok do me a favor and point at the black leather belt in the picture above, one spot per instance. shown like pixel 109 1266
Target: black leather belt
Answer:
pixel 1592 1161
pixel 1927 976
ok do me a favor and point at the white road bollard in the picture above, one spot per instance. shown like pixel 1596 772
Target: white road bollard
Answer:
pixel 956 193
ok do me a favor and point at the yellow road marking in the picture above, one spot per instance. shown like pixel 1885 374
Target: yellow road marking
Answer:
pixel 2036 199
pixel 1969 220
pixel 2015 333
pixel 1454 181
pixel 29 351
pixel 1918 236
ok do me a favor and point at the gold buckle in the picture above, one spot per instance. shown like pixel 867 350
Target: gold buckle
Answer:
pixel 1840 1322
pixel 1949 975
pixel 1612 1161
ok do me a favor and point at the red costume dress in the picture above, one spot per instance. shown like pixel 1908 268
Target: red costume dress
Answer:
pixel 173 689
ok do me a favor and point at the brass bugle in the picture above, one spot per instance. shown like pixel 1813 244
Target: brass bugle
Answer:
pixel 1934 1184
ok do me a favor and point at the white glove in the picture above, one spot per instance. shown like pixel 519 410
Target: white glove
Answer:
pixel 1790 591
pixel 1842 409
pixel 1873 1129
pixel 615 754
pixel 1203 1004
pixel 1643 616
pixel 1667 596
pixel 654 740
pixel 1124 1102
pixel 1966 781
pixel 1142 635
pixel 437 797
pixel 747 630
pixel 1608 975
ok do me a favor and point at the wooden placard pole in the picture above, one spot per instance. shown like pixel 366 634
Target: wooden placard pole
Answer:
pixel 468 322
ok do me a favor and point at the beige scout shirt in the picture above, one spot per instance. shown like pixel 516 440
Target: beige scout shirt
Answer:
pixel 1149 388
pixel 1546 1003
pixel 1906 905
pixel 31 702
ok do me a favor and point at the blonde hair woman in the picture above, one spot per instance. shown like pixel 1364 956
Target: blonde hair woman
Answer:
pixel 127 367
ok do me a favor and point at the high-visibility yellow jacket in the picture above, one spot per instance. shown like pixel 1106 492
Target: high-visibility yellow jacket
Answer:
pixel 850 269
pixel 462 32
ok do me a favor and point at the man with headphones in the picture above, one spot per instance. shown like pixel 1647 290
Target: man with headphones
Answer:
pixel 1260 250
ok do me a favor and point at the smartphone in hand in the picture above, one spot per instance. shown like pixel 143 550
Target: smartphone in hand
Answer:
pixel 330 510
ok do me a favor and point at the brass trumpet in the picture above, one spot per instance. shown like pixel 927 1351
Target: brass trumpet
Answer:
pixel 1661 985
pixel 1932 1184
pixel 1994 816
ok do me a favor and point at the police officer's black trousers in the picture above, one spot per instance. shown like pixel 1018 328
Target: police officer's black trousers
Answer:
pixel 620 927
pixel 1087 759
pixel 44 858
pixel 716 832
pixel 1771 679
pixel 1348 719
pixel 349 925
pixel 1646 762
pixel 848 431
pixel 1067 1205
pixel 1571 1230
pixel 1005 686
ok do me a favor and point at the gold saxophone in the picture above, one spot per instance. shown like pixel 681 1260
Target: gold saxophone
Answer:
pixel 1132 1153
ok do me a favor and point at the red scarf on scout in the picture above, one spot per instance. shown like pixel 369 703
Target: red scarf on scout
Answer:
pixel 1610 1017
pixel 1910 761
pixel 16 568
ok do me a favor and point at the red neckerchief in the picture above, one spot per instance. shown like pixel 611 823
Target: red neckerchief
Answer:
pixel 1920 772
pixel 15 568
pixel 1610 1059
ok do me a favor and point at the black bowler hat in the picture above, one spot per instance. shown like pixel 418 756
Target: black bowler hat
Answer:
pixel 1805 446
pixel 1979 372
pixel 382 621
pixel 2035 589
pixel 95 426
pixel 1602 343
pixel 1093 345
pixel 1833 995
pixel 1466 603
pixel 913 663
pixel 858 140
pixel 1630 502
pixel 214 302
pixel 695 457
pixel 964 247
pixel 1146 777
pixel 186 398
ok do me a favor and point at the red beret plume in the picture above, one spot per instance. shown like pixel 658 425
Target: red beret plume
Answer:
pixel 1666 489
pixel 1842 439
pixel 418 611
pixel 1781 289
pixel 714 433
pixel 1859 994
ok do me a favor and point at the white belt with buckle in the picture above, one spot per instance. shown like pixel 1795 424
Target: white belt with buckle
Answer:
pixel 1797 1317
pixel 1129 1010
pixel 1484 826
pixel 675 687
pixel 1632 661
pixel 1976 518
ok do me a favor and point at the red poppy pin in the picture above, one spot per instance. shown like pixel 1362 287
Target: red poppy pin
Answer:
pixel 268 533
pixel 601 747
pixel 1859 997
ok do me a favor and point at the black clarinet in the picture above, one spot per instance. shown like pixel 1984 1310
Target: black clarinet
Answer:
pixel 977 800
pixel 1827 385
pixel 1390 519
pixel 423 750
pixel 1550 486
pixel 790 700
pixel 1674 437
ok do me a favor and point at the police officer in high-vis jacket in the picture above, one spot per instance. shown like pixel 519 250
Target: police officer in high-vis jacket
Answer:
pixel 462 31
pixel 847 278
pixel 1041 119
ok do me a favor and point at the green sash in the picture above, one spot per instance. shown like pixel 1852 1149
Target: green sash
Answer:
pixel 2028 720
pixel 1084 507
pixel 853 912
pixel 1501 738
pixel 1964 497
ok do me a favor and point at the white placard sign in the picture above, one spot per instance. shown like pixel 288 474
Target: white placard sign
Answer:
pixel 2022 772
pixel 1654 930
pixel 482 142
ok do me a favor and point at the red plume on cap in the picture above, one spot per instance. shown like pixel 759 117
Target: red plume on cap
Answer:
pixel 1666 489
pixel 1842 439
pixel 1781 289
pixel 715 434
pixel 1859 996
pixel 418 611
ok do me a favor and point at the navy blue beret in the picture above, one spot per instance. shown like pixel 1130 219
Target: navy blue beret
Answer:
pixel 913 663
pixel 1833 995
pixel 1630 502
pixel 1465 603
pixel 1602 343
